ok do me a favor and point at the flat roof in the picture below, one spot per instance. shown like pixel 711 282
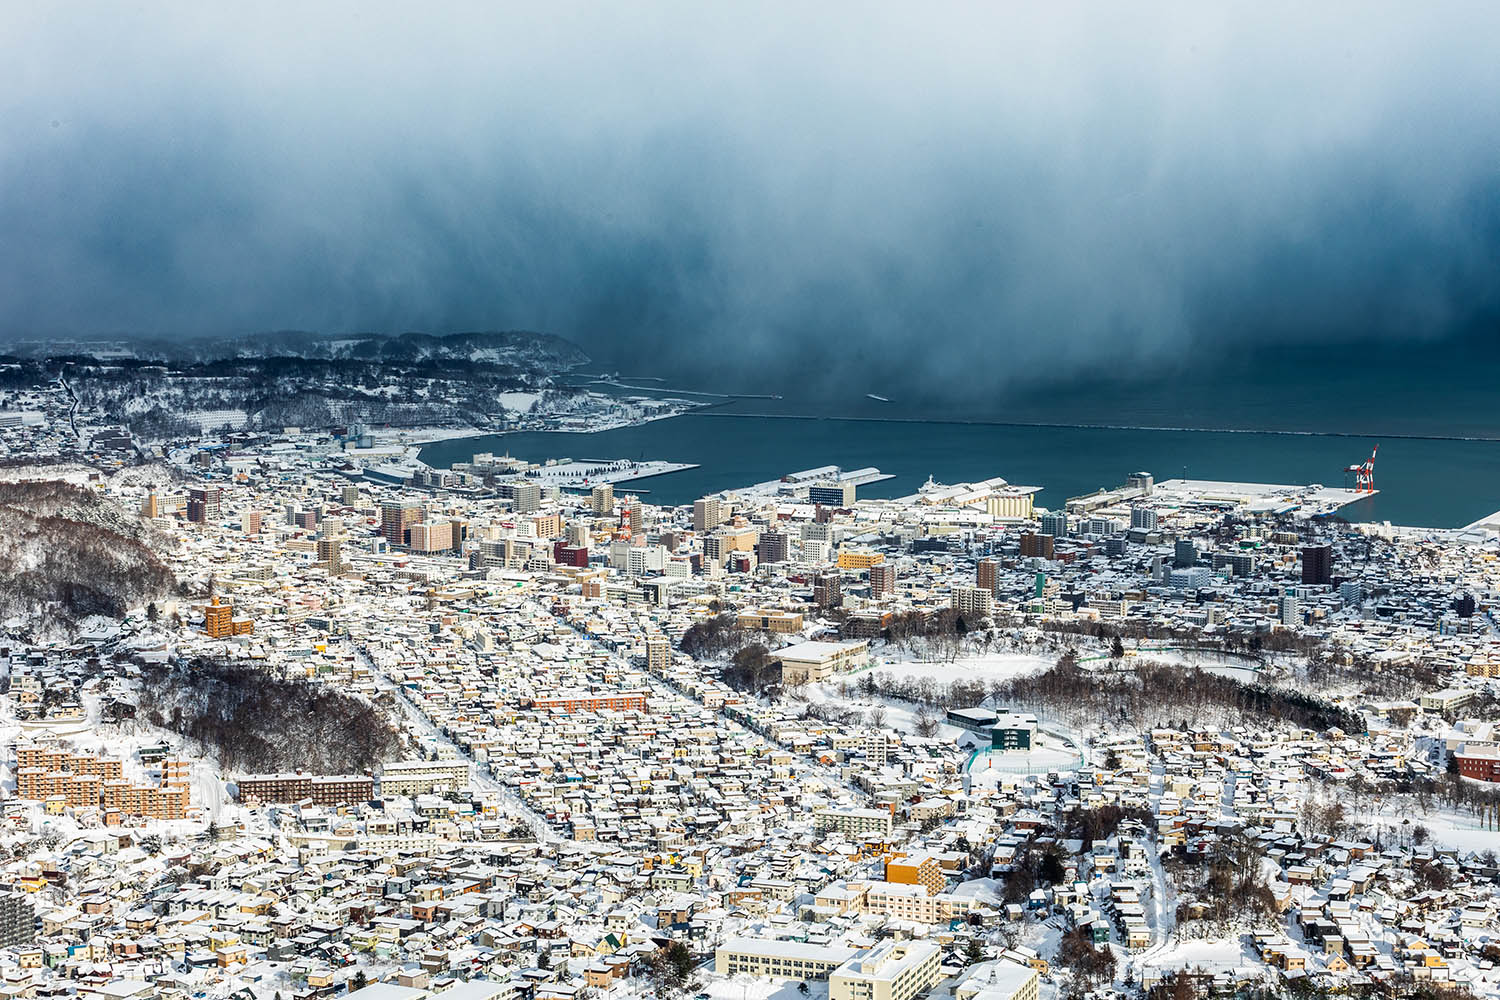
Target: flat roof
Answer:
pixel 818 650
pixel 771 948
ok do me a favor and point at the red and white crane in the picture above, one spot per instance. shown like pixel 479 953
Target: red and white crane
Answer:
pixel 1364 473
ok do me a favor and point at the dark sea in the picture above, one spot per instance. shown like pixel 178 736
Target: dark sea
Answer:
pixel 1279 417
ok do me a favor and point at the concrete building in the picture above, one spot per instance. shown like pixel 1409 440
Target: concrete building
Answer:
pixel 322 789
pixel 916 869
pixel 708 514
pixel 779 959
pixel 828 589
pixel 892 970
pixel 856 823
pixel 811 662
pixel 999 981
pixel 17 920
pixel 831 494
pixel 987 574
pixel 419 777
pixel 770 620
pixel 219 621
pixel 1317 564
pixel 773 547
pixel 658 654
pixel 973 603
pixel 1013 731
pixel 1035 546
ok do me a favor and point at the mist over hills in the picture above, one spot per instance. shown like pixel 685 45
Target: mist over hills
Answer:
pixel 534 353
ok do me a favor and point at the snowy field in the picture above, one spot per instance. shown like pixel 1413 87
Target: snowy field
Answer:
pixel 744 987
pixel 985 667
pixel 1210 954
pixel 990 767
pixel 518 402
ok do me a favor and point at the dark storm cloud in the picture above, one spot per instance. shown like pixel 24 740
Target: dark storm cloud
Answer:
pixel 964 192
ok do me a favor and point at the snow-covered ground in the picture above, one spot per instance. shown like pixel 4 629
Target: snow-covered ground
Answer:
pixel 1212 954
pixel 987 667
pixel 744 987
pixel 520 402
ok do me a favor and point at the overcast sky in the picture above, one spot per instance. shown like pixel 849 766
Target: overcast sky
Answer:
pixel 951 192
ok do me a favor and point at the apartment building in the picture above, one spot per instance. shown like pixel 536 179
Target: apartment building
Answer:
pixel 852 822
pixel 913 902
pixel 593 701
pixel 919 869
pixel 219 621
pixel 420 777
pixel 892 970
pixel 322 789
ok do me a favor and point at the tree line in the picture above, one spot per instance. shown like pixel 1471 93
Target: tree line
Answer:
pixel 258 721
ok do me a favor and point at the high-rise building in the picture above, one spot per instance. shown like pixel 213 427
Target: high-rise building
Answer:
pixel 1143 518
pixel 219 621
pixel 828 589
pixel 1184 554
pixel 831 494
pixel 882 580
pixel 1034 546
pixel 1055 524
pixel 772 547
pixel 437 536
pixel 349 496
pixel 817 531
pixel 251 522
pixel 203 503
pixel 524 495
pixel 151 506
pixel 1317 564
pixel 602 500
pixel 658 654
pixel 1289 609
pixel 708 514
pixel 714 550
pixel 973 602
pixel 633 516
pixel 578 535
pixel 17 920
pixel 328 553
pixel 987 574
pixel 395 519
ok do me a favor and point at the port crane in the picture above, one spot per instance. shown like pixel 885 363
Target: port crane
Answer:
pixel 1364 473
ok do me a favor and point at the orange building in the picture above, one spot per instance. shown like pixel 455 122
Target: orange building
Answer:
pixel 219 621
pixel 594 702
pixel 857 559
pixel 45 772
pixel 916 869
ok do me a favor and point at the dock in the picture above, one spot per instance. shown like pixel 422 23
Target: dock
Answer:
pixel 1271 498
